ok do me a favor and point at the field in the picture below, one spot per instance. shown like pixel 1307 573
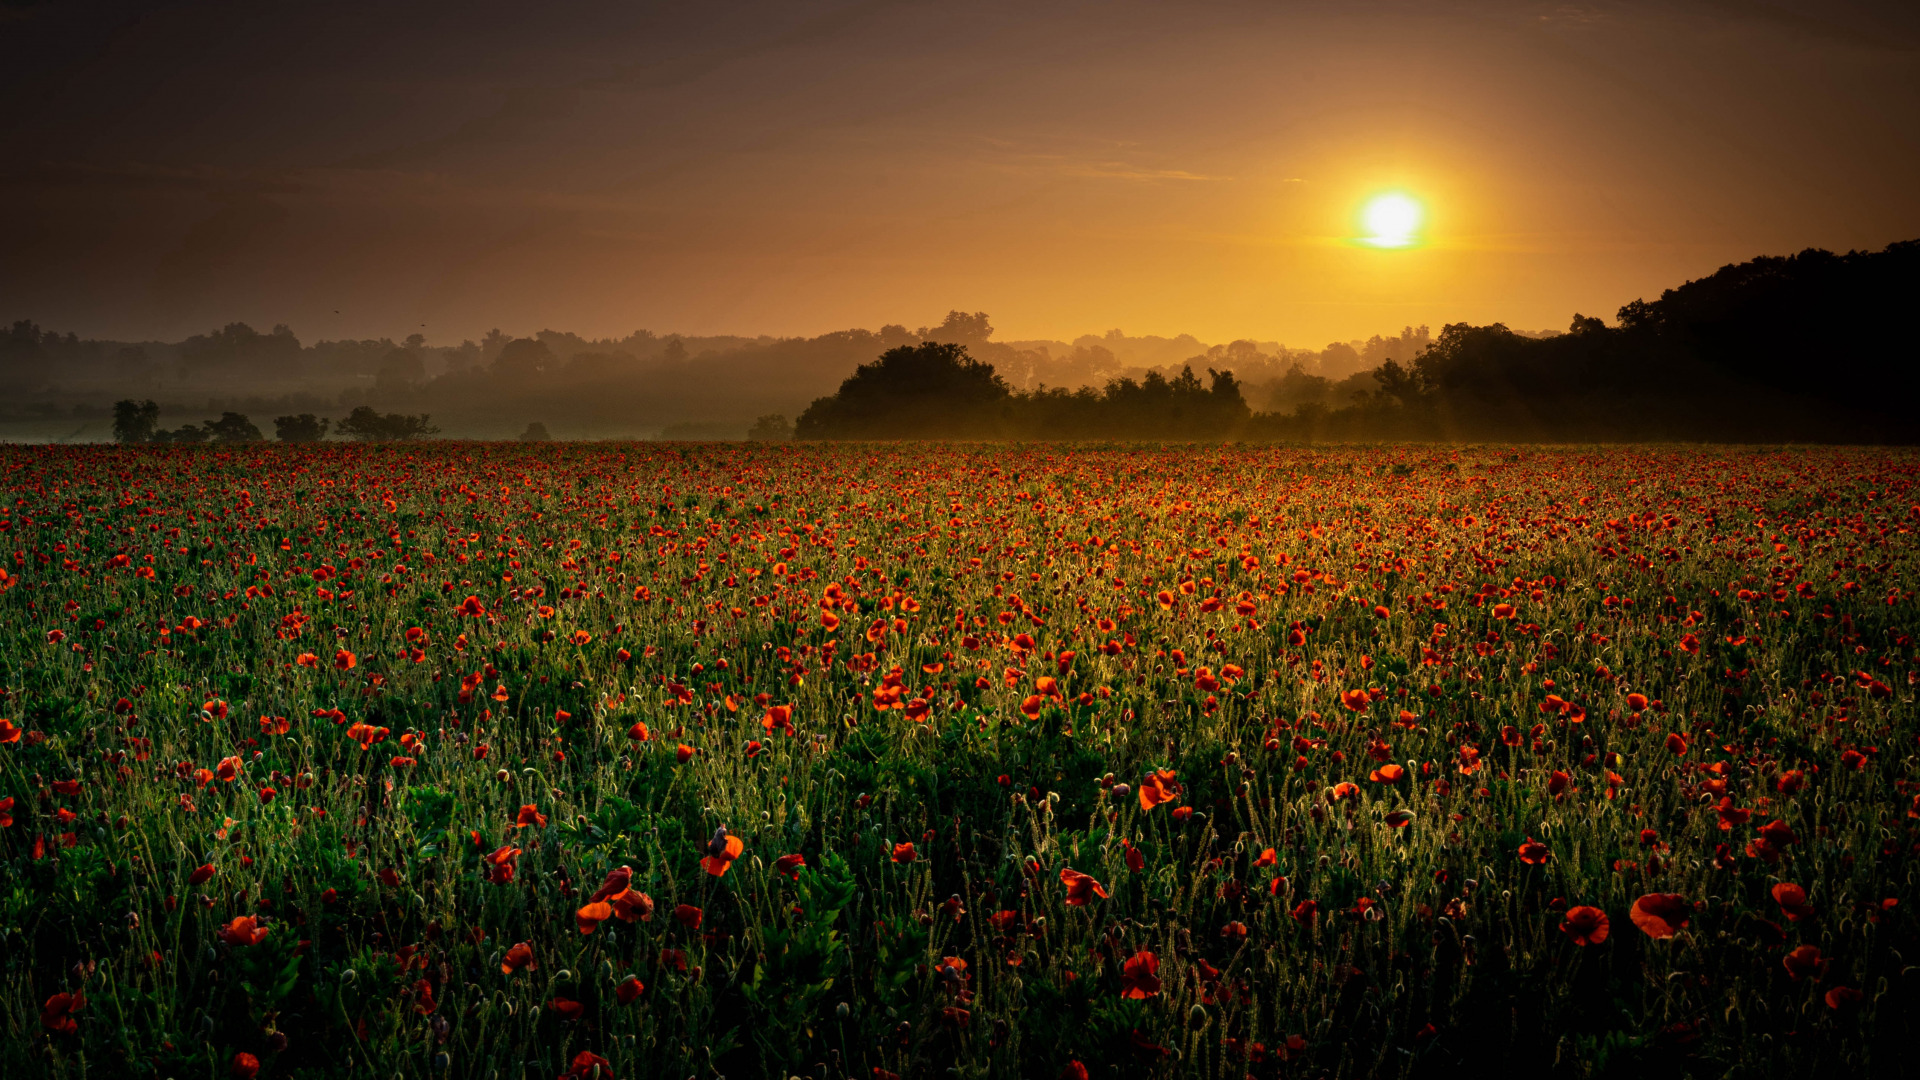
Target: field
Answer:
pixel 637 760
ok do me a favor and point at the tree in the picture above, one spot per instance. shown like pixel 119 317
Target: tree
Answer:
pixel 773 427
pixel 931 390
pixel 187 434
pixel 304 428
pixel 134 421
pixel 524 359
pixel 400 370
pixel 368 425
pixel 232 427
pixel 536 432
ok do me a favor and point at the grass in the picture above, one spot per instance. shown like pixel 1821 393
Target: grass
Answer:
pixel 1416 705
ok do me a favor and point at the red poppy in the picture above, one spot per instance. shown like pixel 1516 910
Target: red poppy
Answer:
pixel 1158 787
pixel 228 769
pixel 1140 976
pixel 1356 700
pixel 1677 743
pixel 638 732
pixel 1533 852
pixel 1306 911
pixel 688 916
pixel 721 851
pixel 778 718
pixel 6 812
pixel 345 660
pixel 1661 915
pixel 1388 774
pixel 243 930
pixel 201 875
pixel 683 753
pixel 1792 900
pixel 1399 819
pixel 500 864
pixel 628 990
pixel 423 1002
pixel 8 732
pixel 1805 962
pixel 1081 888
pixel 57 1014
pixel 1842 996
pixel 518 958
pixel 1586 925
pixel 567 1008
pixel 591 915
pixel 244 1066
pixel 1343 790
pixel 789 865
pixel 529 815
pixel 903 852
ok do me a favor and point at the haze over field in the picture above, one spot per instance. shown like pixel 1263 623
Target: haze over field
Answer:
pixel 363 172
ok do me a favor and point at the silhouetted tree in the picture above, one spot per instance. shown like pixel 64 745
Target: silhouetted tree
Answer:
pixel 536 432
pixel 925 391
pixel 368 425
pixel 524 360
pixel 135 421
pixel 232 427
pixel 304 428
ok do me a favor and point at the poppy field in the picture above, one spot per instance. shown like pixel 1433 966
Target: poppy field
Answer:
pixel 655 760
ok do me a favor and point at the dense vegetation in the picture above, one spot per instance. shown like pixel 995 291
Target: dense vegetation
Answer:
pixel 522 760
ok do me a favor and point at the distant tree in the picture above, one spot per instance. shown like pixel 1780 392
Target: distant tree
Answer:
pixel 400 369
pixel 368 425
pixel 536 432
pixel 135 421
pixel 773 427
pixel 232 427
pixel 524 360
pixel 675 352
pixel 187 434
pixel 304 428
pixel 929 390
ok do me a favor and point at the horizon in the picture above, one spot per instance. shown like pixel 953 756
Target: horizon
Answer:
pixel 771 171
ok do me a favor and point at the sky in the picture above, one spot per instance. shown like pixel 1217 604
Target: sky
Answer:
pixel 366 170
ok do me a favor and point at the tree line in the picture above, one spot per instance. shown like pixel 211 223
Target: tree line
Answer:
pixel 136 422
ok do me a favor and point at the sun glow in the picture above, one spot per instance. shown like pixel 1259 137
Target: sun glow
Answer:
pixel 1391 220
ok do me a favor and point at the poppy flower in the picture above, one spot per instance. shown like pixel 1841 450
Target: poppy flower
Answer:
pixel 423 1002
pixel 789 865
pixel 500 864
pixel 529 815
pixel 1805 962
pixel 345 660
pixel 1792 900
pixel 57 1014
pixel 1586 925
pixel 1158 787
pixel 1661 915
pixel 1388 774
pixel 1136 860
pixel 630 905
pixel 567 1008
pixel 1356 700
pixel 591 915
pixel 1305 912
pixel 518 958
pixel 1533 853
pixel 6 812
pixel 1266 858
pixel 1140 976
pixel 245 1066
pixel 778 718
pixel 1399 819
pixel 688 916
pixel 1081 888
pixel 228 769
pixel 721 851
pixel 903 852
pixel 683 753
pixel 1343 790
pixel 201 875
pixel 1677 743
pixel 628 990
pixel 1842 996
pixel 243 930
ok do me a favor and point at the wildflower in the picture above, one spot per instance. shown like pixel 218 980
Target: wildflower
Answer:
pixel 1158 787
pixel 1081 888
pixel 1805 962
pixel 1661 915
pixel 517 959
pixel 529 815
pixel 1140 976
pixel 1586 925
pixel 721 851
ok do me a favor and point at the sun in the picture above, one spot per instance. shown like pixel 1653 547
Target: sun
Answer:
pixel 1391 220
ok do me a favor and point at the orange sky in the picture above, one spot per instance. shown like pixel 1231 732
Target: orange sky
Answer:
pixel 802 167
